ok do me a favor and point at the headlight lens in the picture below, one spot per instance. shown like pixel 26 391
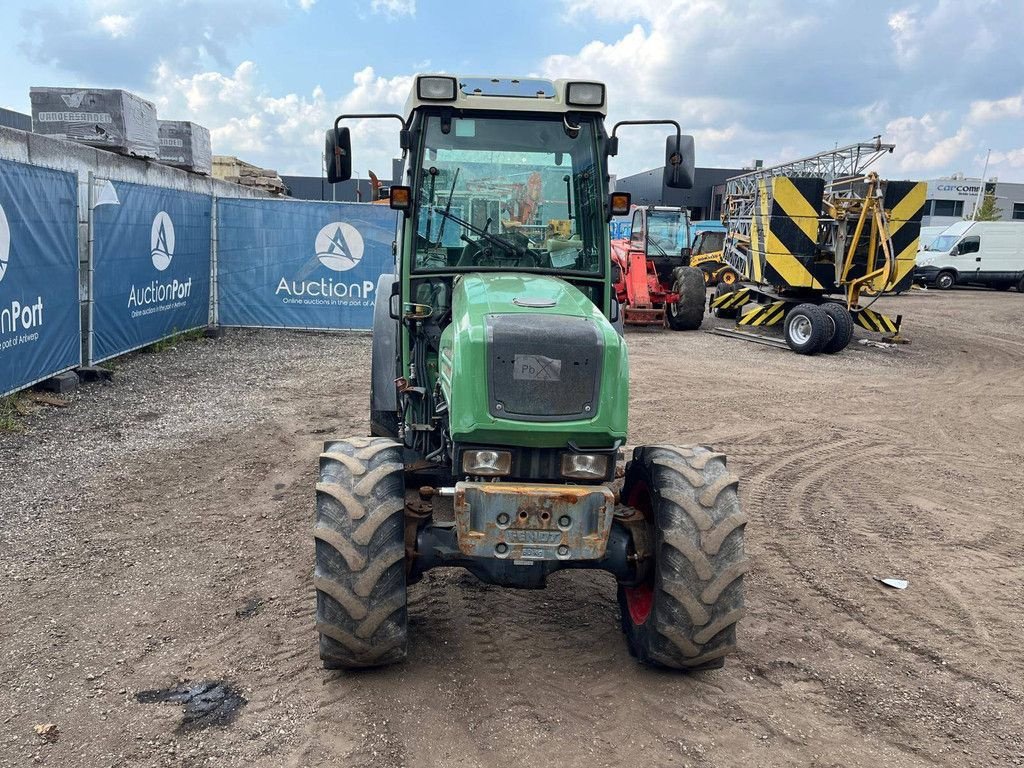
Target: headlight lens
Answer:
pixel 585 466
pixel 487 463
pixel 584 94
pixel 436 88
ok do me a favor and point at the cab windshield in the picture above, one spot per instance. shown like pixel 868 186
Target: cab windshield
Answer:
pixel 519 194
pixel 943 243
pixel 668 231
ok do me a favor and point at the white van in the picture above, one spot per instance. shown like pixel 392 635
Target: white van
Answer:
pixel 989 253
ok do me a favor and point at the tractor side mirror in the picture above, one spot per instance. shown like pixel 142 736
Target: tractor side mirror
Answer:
pixel 685 253
pixel 679 160
pixel 614 312
pixel 338 155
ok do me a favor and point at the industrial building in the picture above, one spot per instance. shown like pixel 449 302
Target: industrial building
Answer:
pixel 704 199
pixel 953 198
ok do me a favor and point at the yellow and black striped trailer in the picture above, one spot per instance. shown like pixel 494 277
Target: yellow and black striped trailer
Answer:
pixel 823 236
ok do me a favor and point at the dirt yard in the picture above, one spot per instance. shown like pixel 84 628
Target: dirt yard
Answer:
pixel 158 531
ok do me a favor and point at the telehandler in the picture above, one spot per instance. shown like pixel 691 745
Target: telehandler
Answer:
pixel 500 392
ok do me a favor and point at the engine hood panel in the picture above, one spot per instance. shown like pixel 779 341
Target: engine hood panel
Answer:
pixel 529 360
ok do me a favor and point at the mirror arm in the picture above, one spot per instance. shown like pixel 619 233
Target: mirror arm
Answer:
pixel 373 115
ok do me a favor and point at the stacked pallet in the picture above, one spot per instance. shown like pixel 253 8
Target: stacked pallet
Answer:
pixel 237 171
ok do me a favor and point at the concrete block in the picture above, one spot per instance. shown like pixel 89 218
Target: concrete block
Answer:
pixel 62 383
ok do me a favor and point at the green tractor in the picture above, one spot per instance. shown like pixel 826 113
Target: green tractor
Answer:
pixel 500 391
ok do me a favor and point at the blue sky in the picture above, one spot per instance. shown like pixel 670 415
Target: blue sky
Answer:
pixel 767 79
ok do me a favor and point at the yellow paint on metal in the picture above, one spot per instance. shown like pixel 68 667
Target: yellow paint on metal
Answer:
pixel 796 206
pixel 766 315
pixel 904 210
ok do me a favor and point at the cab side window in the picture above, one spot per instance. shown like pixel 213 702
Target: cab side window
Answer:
pixel 637 237
pixel 970 245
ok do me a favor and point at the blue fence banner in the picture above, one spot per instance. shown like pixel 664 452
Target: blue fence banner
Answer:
pixel 40 331
pixel 290 264
pixel 151 267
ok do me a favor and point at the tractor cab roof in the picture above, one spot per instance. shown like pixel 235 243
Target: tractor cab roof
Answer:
pixel 507 94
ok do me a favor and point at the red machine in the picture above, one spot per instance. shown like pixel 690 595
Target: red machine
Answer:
pixel 653 281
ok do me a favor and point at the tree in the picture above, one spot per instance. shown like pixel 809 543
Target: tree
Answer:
pixel 988 211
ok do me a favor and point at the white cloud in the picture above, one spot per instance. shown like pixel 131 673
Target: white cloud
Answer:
pixel 985 111
pixel 928 144
pixel 283 131
pixel 394 8
pixel 306 4
pixel 115 24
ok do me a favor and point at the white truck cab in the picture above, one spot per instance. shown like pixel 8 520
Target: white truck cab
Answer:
pixel 986 253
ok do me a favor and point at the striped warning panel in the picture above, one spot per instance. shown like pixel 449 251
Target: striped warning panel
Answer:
pixel 765 315
pixel 904 204
pixel 730 300
pixel 791 240
pixel 874 321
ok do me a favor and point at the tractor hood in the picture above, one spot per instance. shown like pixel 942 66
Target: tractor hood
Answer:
pixel 529 360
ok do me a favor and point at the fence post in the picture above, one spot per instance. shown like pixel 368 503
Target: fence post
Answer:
pixel 90 264
pixel 214 289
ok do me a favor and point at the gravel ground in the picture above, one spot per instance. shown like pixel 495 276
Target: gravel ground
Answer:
pixel 155 534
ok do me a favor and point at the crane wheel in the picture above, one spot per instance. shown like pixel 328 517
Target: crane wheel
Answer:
pixel 684 614
pixel 807 329
pixel 687 313
pixel 728 277
pixel 842 328
pixel 360 554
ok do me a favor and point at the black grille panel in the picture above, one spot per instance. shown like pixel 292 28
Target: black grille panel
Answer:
pixel 543 367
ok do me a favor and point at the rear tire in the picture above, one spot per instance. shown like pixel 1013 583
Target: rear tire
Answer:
pixel 685 615
pixel 945 280
pixel 730 313
pixel 360 554
pixel 806 329
pixel 842 328
pixel 688 313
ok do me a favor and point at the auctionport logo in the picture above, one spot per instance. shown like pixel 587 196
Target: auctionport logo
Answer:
pixel 162 241
pixel 339 246
pixel 5 242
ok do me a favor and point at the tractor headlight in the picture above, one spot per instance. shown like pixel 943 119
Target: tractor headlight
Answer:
pixel 585 466
pixel 487 463
pixel 436 88
pixel 584 94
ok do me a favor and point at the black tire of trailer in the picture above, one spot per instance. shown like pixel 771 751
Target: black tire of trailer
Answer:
pixel 730 313
pixel 806 329
pixel 687 314
pixel 945 280
pixel 684 615
pixel 361 611
pixel 842 328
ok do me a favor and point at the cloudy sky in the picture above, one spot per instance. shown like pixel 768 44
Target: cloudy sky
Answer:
pixel 767 79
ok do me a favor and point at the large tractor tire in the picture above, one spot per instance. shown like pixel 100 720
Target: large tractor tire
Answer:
pixel 842 328
pixel 684 616
pixel 688 313
pixel 360 554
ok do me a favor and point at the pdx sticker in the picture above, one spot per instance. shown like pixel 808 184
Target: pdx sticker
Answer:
pixel 339 246
pixel 162 241
pixel 5 242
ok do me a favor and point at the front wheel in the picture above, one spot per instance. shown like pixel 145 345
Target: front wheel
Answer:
pixel 945 280
pixel 360 554
pixel 684 615
pixel 687 313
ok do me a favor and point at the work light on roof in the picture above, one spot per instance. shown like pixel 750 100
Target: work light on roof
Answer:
pixel 584 94
pixel 436 88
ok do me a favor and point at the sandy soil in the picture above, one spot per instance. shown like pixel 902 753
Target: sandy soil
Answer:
pixel 158 530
